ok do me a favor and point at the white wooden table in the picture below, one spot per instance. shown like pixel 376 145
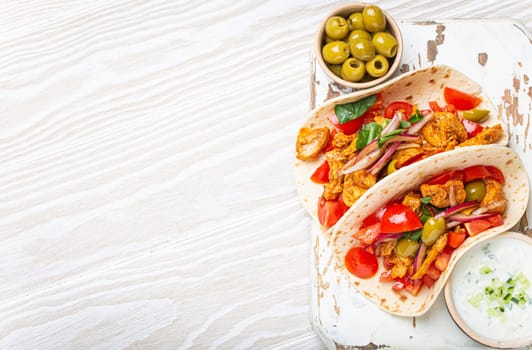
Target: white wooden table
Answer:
pixel 146 192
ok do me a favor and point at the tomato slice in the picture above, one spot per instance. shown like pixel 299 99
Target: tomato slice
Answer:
pixel 446 176
pixel 433 272
pixel 321 174
pixel 476 172
pixel 413 286
pixel 361 263
pixel 456 238
pixel 477 226
pixel 330 211
pixel 398 284
pixel 374 217
pixel 396 106
pixel 399 218
pixel 495 220
pixel 471 127
pixel 368 234
pixel 435 106
pixel 459 99
pixel 496 174
pixel 451 109
pixel 386 276
pixel 443 258
pixel 429 282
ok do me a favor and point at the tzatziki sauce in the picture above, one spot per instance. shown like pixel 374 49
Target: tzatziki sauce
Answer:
pixel 492 289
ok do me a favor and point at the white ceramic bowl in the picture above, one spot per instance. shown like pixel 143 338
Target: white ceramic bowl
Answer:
pixel 467 292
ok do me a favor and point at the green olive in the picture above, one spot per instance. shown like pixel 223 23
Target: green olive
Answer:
pixel 336 28
pixel 476 115
pixel 432 230
pixel 475 191
pixel 335 52
pixel 374 20
pixel 358 33
pixel 406 247
pixel 356 21
pixel 385 44
pixel 362 49
pixel 353 70
pixel 336 69
pixel 378 66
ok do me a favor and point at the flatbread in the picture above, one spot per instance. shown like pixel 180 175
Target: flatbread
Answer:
pixel 420 87
pixel 516 191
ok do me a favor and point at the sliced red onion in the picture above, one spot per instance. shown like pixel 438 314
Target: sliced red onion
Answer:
pixel 488 207
pixel 421 252
pixel 385 237
pixel 414 129
pixel 365 162
pixel 467 218
pixel 405 145
pixel 456 209
pixel 452 197
pixel 374 170
pixel 394 123
pixel 452 224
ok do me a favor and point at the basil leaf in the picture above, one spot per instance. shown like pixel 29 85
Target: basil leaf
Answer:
pixel 384 138
pixel 413 235
pixel 403 124
pixel 351 111
pixel 414 118
pixel 425 200
pixel 368 133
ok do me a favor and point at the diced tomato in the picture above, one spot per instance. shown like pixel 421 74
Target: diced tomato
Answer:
pixel 413 286
pixel 460 100
pixel 348 128
pixel 435 106
pixel 398 284
pixel 471 127
pixel 433 272
pixel 404 107
pixel 429 282
pixel 451 109
pixel 321 174
pixel 386 276
pixel 330 211
pixel 330 146
pixel 476 172
pixel 361 263
pixel 399 218
pixel 374 217
pixel 368 234
pixel 495 220
pixel 456 238
pixel 443 258
pixel 370 249
pixel 446 176
pixel 477 226
pixel 496 174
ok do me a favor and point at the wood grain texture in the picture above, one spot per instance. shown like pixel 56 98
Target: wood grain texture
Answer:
pixel 146 191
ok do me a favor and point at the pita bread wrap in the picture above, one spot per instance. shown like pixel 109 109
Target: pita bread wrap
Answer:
pixel 417 87
pixel 402 303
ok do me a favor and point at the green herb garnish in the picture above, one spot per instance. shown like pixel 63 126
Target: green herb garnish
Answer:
pixel 351 111
pixel 368 133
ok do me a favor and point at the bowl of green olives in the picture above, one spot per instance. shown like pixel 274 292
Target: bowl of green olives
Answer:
pixel 359 45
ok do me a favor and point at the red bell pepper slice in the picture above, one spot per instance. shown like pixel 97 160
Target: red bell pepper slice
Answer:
pixel 446 176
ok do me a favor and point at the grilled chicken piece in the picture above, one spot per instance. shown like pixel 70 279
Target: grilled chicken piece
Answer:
pixel 440 194
pixel 494 197
pixel 310 142
pixel 488 135
pixel 433 253
pixel 355 184
pixel 413 201
pixel 401 265
pixel 403 156
pixel 444 131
